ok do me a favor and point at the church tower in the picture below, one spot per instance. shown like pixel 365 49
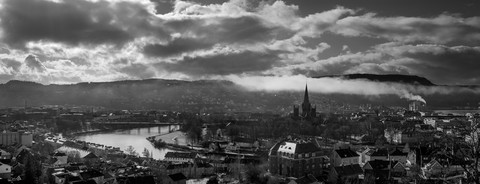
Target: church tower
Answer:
pixel 306 106
pixel 308 111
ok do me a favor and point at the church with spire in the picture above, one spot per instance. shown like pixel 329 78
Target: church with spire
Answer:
pixel 308 111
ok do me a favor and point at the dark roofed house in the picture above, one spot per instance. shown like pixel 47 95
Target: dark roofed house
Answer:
pixel 177 178
pixel 91 155
pixel 243 143
pixel 59 158
pixel 308 147
pixel 341 157
pixel 383 170
pixel 141 180
pixel 379 165
pixel 59 154
pixel 72 179
pixel 346 153
pixel 95 175
pixel 136 179
pixel 399 155
pixel 346 174
pixel 91 182
pixel 307 179
pixel 379 154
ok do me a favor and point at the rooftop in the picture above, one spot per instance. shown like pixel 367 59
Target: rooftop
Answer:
pixel 345 153
pixel 296 146
pixel 180 155
pixel 177 176
pixel 349 170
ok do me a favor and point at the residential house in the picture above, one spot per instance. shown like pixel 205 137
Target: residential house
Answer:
pixel 136 179
pixel 420 132
pixel 177 178
pixel 60 158
pixel 352 173
pixel 443 170
pixel 398 155
pixel 362 152
pixel 60 177
pixel 383 170
pixel 181 157
pixel 379 154
pixel 5 171
pixel 5 156
pixel 190 170
pixel 341 157
pixel 81 153
pixel 307 179
pixel 240 143
pixel 94 175
pixel 72 178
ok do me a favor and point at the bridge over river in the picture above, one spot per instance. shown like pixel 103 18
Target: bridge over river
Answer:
pixel 136 123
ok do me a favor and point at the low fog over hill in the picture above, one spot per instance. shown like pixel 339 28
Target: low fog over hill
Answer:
pixel 221 95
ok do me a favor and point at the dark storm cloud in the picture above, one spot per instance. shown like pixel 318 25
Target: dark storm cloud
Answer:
pixel 243 30
pixel 70 21
pixel 163 6
pixel 337 65
pixel 442 29
pixel 79 61
pixel 138 71
pixel 424 8
pixel 239 30
pixel 85 39
pixel 177 46
pixel 223 64
pixel 10 63
pixel 439 63
pixel 443 65
pixel 4 51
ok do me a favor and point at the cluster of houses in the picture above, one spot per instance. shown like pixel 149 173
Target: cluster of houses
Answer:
pixel 418 147
pixel 12 163
pixel 305 162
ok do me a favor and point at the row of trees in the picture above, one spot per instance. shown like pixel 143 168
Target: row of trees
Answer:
pixel 331 126
pixel 193 129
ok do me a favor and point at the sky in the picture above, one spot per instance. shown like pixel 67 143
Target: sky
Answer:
pixel 71 41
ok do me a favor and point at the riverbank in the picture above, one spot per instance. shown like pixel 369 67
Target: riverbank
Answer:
pixel 176 137
pixel 125 138
pixel 176 140
pixel 92 131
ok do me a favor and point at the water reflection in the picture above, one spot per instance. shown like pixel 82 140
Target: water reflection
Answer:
pixel 134 137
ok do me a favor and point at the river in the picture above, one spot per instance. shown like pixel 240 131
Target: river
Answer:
pixel 130 137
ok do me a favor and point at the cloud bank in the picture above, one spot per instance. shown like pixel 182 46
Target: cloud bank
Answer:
pixel 336 85
pixel 68 41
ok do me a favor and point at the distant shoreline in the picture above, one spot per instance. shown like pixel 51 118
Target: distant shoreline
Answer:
pixel 455 111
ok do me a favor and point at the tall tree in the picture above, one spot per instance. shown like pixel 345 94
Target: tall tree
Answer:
pixel 131 151
pixel 32 168
pixel 146 153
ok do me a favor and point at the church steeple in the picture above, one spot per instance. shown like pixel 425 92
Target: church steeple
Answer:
pixel 305 96
pixel 308 111
pixel 306 106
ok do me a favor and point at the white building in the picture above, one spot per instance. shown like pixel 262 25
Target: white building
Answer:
pixel 5 171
